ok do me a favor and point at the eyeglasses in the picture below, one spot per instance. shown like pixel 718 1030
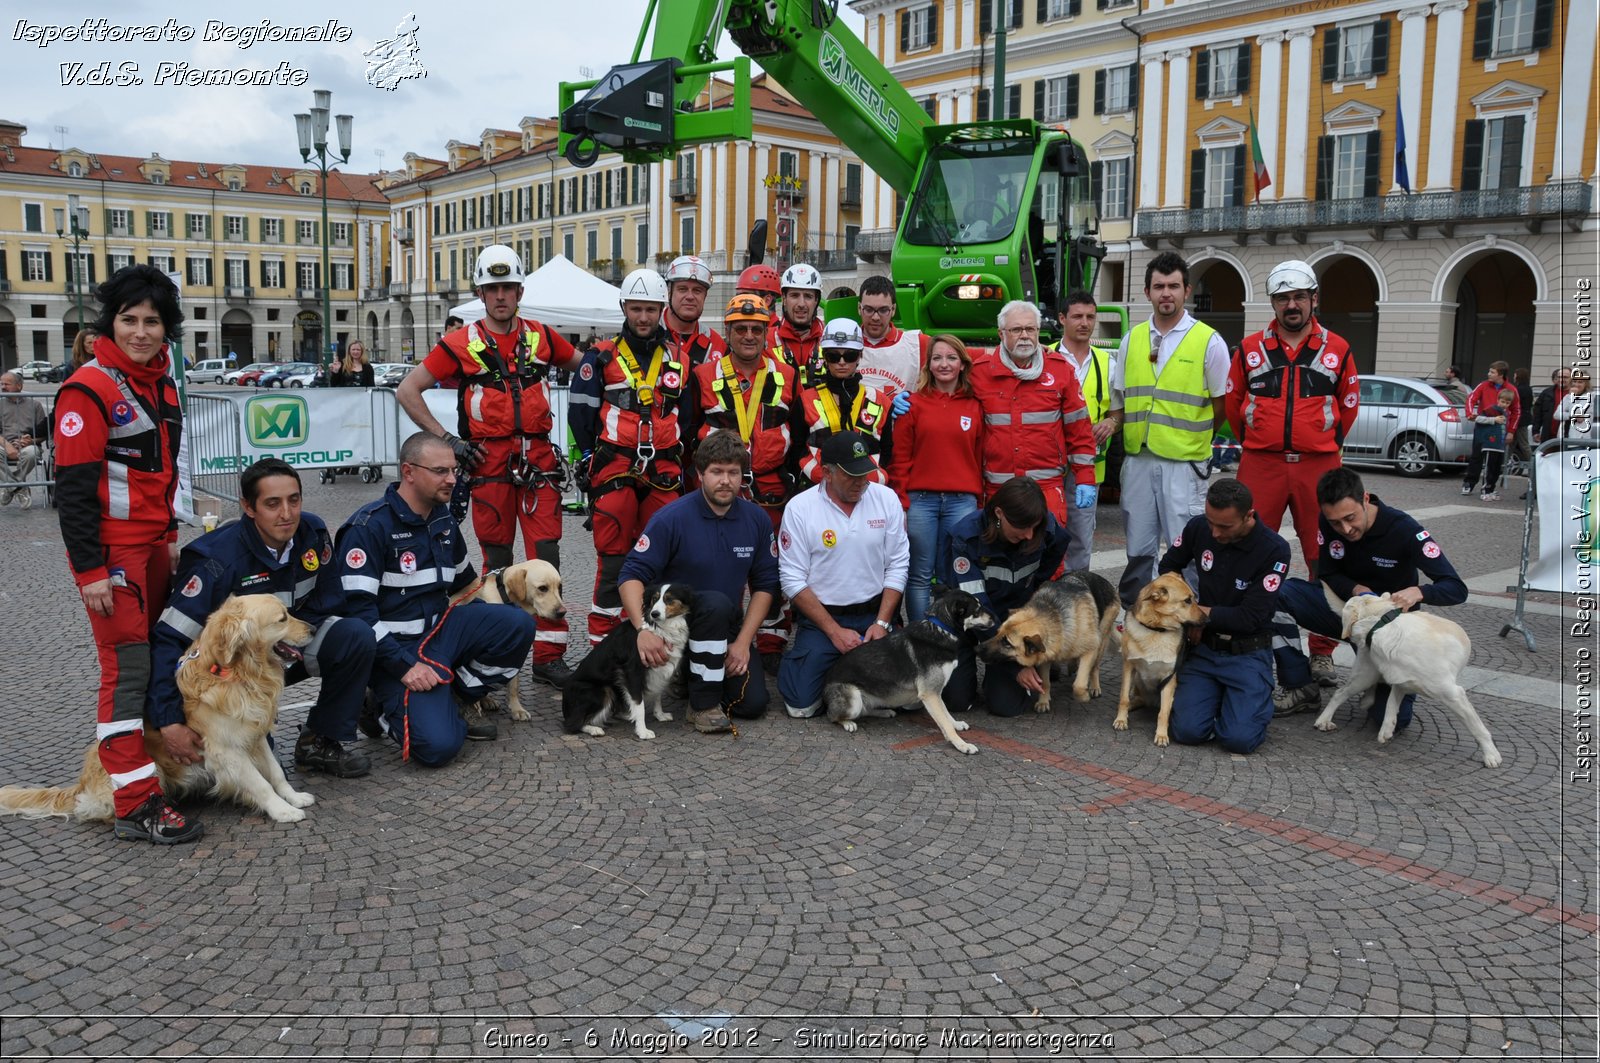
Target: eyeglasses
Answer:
pixel 441 471
pixel 747 330
pixel 876 311
pixel 842 356
pixel 1022 330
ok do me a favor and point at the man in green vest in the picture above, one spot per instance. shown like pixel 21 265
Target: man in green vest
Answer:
pixel 1167 389
pixel 1093 367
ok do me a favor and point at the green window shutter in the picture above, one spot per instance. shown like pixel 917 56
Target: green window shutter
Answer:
pixel 1472 156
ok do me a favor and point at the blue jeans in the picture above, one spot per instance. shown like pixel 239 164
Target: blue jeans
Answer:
pixel 806 663
pixel 928 523
pixel 1305 603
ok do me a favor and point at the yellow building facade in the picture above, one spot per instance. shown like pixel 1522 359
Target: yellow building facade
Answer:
pixel 246 240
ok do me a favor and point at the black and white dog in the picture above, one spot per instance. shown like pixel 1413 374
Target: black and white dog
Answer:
pixel 613 677
pixel 908 666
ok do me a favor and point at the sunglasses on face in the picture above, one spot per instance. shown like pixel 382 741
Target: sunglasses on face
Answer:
pixel 842 356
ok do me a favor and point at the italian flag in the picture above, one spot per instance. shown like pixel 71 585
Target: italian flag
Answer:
pixel 1258 162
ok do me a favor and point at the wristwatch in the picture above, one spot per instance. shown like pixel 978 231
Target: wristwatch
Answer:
pixel 883 624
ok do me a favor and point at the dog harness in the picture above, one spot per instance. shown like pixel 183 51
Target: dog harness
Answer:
pixel 1385 619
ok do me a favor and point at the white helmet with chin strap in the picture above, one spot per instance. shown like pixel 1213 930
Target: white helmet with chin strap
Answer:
pixel 689 268
pixel 497 264
pixel 841 334
pixel 643 286
pixel 1291 276
pixel 804 276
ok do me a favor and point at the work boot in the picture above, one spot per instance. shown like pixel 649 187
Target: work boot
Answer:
pixel 555 673
pixel 371 720
pixel 1286 702
pixel 710 721
pixel 1323 670
pixel 156 821
pixel 313 752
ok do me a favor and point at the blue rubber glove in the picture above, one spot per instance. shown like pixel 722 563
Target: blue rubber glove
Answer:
pixel 902 403
pixel 1085 495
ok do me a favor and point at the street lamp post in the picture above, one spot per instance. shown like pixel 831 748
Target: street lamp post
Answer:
pixel 76 222
pixel 313 132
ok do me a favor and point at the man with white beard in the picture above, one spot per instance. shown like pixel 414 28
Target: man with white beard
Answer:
pixel 1035 421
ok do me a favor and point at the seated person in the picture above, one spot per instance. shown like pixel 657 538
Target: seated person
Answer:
pixel 400 558
pixel 1225 681
pixel 23 429
pixel 275 549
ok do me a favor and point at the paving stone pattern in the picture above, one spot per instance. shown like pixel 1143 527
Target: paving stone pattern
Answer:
pixel 801 893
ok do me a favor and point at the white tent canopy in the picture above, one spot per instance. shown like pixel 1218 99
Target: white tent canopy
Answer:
pixel 562 296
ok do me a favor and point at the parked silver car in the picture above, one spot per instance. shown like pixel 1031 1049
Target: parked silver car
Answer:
pixel 1409 425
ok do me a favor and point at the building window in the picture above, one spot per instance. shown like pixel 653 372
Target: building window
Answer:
pixel 160 223
pixel 1355 53
pixel 544 249
pixel 233 184
pixel 198 272
pixel 686 235
pixel 272 274
pixel 1108 181
pixel 1347 165
pixel 1054 9
pixel 616 246
pixel 36 265
pixel 306 274
pixel 919 29
pixel 238 272
pixel 1492 156
pixel 121 260
pixel 1060 99
pixel 1512 27
pixel 119 221
pixel 199 226
pixel 1116 89
pixel 344 276
pixel 236 227
pixel 305 188
pixel 272 230
pixel 33 217
pixel 305 232
pixel 789 164
pixel 341 232
pixel 1216 176
pixel 164 261
pixel 158 179
pixel 1222 73
pixel 568 245
pixel 74 169
pixel 643 238
pixel 591 245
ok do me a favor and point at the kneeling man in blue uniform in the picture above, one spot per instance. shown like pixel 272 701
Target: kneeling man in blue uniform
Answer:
pixel 1225 681
pixel 717 543
pixel 275 549
pixel 400 559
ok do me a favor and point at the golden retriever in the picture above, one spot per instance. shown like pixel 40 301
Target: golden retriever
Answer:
pixel 1413 653
pixel 532 586
pixel 230 681
pixel 1152 643
pixel 1070 619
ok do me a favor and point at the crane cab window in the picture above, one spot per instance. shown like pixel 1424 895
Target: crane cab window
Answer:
pixel 971 192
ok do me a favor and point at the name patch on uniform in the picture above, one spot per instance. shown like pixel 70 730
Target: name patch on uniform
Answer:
pixel 408 562
pixel 255 580
pixel 192 588
pixel 121 412
pixel 309 560
pixel 744 551
pixel 1383 562
pixel 1272 581
pixel 1336 549
pixel 830 539
pixel 876 523
pixel 1206 560
pixel 356 558
pixel 643 544
pixel 1431 549
pixel 71 424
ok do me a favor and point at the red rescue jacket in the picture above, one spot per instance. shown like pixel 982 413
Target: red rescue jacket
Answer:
pixel 503 394
pixel 1302 401
pixel 1035 428
pixel 721 387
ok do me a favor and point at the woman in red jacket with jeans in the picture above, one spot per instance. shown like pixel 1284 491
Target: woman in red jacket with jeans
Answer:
pixel 938 461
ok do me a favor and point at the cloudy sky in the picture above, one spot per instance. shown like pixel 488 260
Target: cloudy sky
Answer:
pixel 479 74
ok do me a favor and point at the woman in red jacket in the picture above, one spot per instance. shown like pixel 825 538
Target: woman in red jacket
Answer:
pixel 937 468
pixel 118 424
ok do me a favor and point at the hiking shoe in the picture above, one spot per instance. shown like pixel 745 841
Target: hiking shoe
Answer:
pixel 27 498
pixel 1466 489
pixel 480 729
pixel 371 720
pixel 555 673
pixel 710 721
pixel 771 661
pixel 1286 702
pixel 1323 670
pixel 313 752
pixel 156 821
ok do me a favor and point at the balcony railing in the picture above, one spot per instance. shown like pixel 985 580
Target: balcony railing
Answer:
pixel 398 291
pixel 404 234
pixel 683 188
pixel 875 243
pixel 309 295
pixel 1532 206
pixel 833 261
pixel 5 286
pixel 374 295
pixel 850 197
pixel 239 291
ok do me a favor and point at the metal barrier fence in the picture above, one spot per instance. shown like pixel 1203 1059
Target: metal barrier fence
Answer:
pixel 212 429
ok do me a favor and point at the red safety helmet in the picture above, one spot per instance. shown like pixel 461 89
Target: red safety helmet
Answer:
pixel 761 278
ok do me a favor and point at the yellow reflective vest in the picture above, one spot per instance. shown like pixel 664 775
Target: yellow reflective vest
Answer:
pixel 1173 415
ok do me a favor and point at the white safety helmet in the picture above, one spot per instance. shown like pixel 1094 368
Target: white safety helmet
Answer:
pixel 689 268
pixel 802 275
pixel 841 334
pixel 643 286
pixel 1291 276
pixel 497 264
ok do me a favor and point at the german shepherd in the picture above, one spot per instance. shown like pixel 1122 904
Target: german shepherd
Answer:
pixel 908 666
pixel 613 678
pixel 1070 619
pixel 1152 646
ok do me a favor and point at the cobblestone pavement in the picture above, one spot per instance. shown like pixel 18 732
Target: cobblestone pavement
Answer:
pixel 798 892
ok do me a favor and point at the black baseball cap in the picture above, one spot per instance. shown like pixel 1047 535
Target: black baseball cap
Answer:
pixel 848 451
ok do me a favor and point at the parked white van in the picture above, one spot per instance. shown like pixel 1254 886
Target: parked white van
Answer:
pixel 209 371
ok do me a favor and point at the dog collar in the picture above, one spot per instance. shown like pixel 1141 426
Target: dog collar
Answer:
pixel 1386 618
pixel 940 625
pixel 499 575
pixel 221 672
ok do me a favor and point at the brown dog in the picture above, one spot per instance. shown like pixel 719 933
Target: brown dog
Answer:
pixel 1070 619
pixel 532 586
pixel 1152 640
pixel 230 681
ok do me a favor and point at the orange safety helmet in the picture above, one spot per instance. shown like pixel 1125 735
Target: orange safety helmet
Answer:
pixel 746 307
pixel 761 278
